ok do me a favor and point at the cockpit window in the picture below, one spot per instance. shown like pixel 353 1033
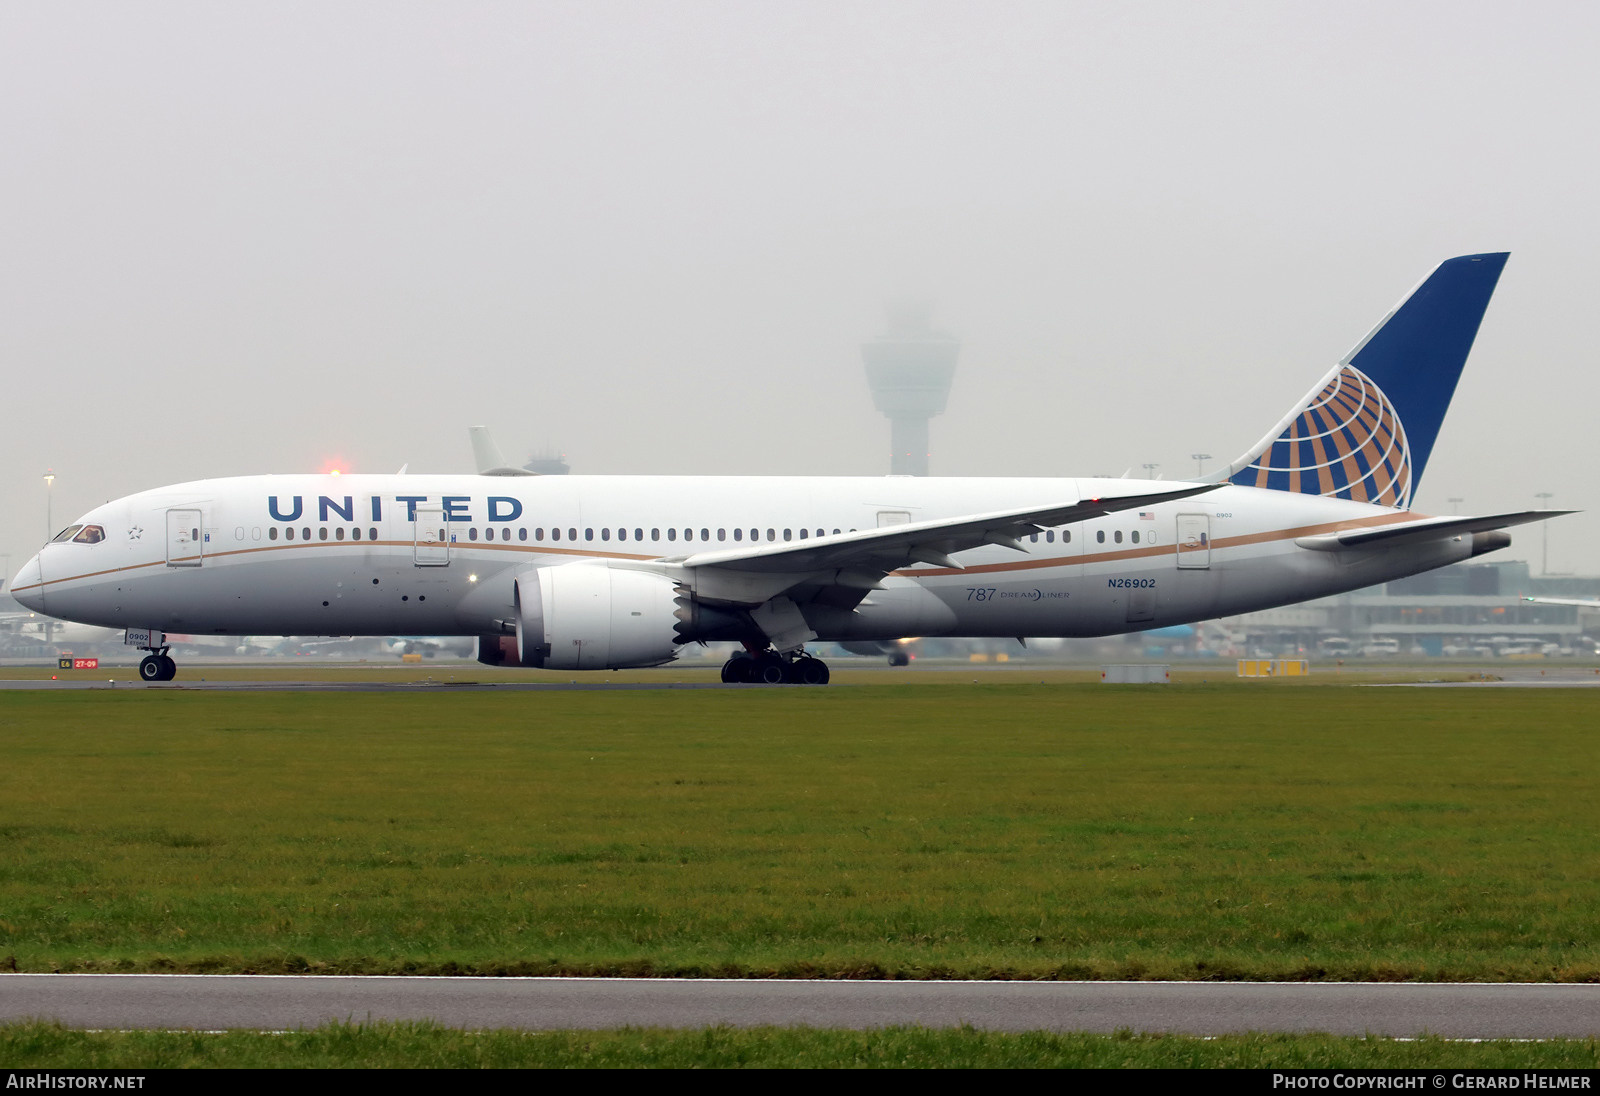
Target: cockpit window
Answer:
pixel 68 533
pixel 90 534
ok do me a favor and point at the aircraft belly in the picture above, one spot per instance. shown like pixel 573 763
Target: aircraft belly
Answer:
pixel 314 596
pixel 1046 603
pixel 1186 596
pixel 902 608
pixel 1248 579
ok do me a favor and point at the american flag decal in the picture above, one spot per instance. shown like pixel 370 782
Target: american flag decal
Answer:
pixel 1147 515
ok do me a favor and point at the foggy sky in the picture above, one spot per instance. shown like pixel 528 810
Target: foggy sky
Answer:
pixel 242 238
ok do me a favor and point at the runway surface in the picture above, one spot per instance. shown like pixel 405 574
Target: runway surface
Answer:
pixel 279 1003
pixel 1564 677
pixel 374 686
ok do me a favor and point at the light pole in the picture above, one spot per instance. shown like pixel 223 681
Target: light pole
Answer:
pixel 49 525
pixel 1544 498
pixel 1199 462
pixel 1150 470
pixel 1455 505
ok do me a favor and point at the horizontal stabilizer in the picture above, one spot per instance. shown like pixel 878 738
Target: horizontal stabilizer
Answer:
pixel 1424 530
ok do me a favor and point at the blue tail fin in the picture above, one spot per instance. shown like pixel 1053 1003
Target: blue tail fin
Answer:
pixel 1365 432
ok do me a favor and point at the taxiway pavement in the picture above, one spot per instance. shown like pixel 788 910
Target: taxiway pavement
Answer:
pixel 286 1002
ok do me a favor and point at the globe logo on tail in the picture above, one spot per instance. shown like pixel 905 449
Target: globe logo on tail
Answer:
pixel 1347 443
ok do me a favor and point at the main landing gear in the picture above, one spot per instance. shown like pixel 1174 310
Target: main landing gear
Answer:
pixel 158 667
pixel 770 668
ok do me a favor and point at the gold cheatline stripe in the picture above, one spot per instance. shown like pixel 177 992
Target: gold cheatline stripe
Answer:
pixel 1162 549
pixel 989 568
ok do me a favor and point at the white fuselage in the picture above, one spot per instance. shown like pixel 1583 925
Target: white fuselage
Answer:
pixel 361 555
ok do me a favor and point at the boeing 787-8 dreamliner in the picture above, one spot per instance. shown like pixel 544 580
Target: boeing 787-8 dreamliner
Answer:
pixel 605 572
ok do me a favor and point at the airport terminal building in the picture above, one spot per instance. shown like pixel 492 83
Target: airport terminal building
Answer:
pixel 1469 610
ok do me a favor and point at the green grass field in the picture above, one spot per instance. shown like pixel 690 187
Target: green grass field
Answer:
pixel 998 829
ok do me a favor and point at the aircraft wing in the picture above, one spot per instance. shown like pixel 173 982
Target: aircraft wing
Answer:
pixel 1583 603
pixel 1421 530
pixel 861 559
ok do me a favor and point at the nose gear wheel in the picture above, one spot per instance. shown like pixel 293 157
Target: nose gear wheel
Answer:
pixel 158 668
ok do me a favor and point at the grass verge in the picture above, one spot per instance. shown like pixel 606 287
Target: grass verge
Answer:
pixel 987 830
pixel 424 1046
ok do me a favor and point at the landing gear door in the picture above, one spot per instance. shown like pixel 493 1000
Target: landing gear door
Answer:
pixel 1194 541
pixel 430 539
pixel 185 538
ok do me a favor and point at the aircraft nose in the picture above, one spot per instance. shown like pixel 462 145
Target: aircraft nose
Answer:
pixel 27 587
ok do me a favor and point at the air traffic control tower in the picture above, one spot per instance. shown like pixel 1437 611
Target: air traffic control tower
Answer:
pixel 909 369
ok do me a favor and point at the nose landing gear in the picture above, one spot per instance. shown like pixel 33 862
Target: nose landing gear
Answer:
pixel 157 665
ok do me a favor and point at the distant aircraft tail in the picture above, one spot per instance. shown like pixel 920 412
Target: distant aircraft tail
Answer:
pixel 1366 430
pixel 486 454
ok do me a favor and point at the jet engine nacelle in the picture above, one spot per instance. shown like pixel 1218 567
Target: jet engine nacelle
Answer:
pixel 593 616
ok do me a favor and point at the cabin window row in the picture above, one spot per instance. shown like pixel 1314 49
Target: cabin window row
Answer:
pixel 1134 537
pixel 622 534
pixel 570 534
pixel 323 533
pixel 672 535
pixel 1116 536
